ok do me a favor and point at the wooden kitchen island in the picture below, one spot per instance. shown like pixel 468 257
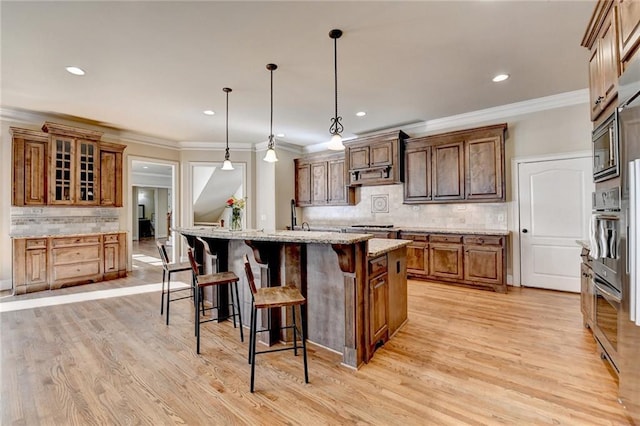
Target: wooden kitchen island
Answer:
pixel 355 301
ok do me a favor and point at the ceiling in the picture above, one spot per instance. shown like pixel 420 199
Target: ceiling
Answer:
pixel 153 67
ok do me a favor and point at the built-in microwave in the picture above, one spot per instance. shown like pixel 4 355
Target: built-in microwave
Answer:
pixel 605 139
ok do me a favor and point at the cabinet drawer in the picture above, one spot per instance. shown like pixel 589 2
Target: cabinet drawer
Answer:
pixel 68 255
pixel 110 238
pixel 377 266
pixel 483 240
pixel 76 241
pixel 414 237
pixel 40 243
pixel 445 238
pixel 79 270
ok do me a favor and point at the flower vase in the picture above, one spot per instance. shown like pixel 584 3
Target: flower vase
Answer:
pixel 236 220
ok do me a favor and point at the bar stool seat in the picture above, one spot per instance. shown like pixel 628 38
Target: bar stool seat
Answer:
pixel 168 269
pixel 216 279
pixel 272 298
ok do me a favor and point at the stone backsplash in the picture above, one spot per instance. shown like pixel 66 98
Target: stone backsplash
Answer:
pixel 382 205
pixel 40 221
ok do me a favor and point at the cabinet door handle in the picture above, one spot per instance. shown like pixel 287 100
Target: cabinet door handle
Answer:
pixel 379 283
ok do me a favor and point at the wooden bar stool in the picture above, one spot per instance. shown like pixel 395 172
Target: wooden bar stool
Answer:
pixel 169 268
pixel 217 279
pixel 271 298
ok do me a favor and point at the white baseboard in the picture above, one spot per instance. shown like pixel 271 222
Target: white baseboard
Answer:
pixel 6 285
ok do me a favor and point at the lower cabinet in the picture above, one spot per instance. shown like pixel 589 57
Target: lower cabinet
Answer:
pixel 473 260
pixel 55 262
pixel 445 257
pixel 378 302
pixel 587 293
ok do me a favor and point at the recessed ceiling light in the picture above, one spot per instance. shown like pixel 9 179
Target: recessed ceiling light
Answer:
pixel 361 114
pixel 75 70
pixel 145 167
pixel 281 135
pixel 208 112
pixel 500 77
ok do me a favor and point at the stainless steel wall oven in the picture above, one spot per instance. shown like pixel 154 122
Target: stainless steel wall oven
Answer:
pixel 606 241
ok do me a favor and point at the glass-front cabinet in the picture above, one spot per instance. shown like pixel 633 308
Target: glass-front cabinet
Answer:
pixel 74 173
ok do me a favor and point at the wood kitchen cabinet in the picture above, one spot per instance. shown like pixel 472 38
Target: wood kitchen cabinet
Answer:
pixel 461 166
pixel 376 159
pixel 114 256
pixel 29 167
pixel 378 302
pixel 587 292
pixel 629 28
pixel 602 40
pixel 67 166
pixel 445 257
pixel 484 261
pixel 111 174
pixel 30 263
pixel 44 263
pixel 417 254
pixel 473 260
pixel 320 180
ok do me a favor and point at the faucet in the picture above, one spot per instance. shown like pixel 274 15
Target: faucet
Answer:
pixel 308 227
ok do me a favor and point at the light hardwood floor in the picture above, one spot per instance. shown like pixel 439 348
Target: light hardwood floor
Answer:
pixel 465 357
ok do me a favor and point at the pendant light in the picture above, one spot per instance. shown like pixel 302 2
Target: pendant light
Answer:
pixel 270 156
pixel 336 128
pixel 226 165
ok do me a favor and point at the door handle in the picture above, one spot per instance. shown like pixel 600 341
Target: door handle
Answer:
pixel 525 230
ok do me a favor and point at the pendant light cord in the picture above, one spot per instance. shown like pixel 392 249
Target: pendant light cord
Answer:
pixel 336 127
pixel 271 119
pixel 226 154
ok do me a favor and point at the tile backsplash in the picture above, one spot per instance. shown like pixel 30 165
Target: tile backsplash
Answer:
pixel 371 209
pixel 40 221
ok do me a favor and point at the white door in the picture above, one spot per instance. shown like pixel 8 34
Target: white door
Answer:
pixel 555 210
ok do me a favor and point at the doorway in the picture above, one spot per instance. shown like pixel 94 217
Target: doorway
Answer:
pixel 554 206
pixel 153 205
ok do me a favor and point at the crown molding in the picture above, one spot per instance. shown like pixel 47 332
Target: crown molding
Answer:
pixel 498 113
pixel 29 118
pixel 215 146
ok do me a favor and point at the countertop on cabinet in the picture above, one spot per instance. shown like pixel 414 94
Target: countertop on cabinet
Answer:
pixel 379 246
pixel 307 237
pixel 86 234
pixel 459 231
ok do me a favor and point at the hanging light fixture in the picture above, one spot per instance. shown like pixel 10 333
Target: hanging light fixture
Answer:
pixel 336 128
pixel 226 165
pixel 270 156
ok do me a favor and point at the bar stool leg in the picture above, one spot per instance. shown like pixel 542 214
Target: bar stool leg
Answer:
pixel 304 342
pixel 162 298
pixel 239 311
pixel 295 331
pixel 253 348
pixel 250 334
pixel 198 292
pixel 168 297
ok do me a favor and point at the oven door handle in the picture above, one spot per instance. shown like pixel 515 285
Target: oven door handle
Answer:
pixel 603 288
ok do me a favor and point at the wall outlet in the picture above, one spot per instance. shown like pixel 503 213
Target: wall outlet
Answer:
pixel 501 218
pixel 416 208
pixel 461 207
pixel 263 217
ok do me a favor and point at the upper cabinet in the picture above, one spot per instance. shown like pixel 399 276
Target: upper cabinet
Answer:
pixel 320 180
pixel 604 59
pixel 376 160
pixel 462 166
pixel 65 165
pixel 628 27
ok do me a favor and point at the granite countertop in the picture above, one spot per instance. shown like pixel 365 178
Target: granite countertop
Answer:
pixel 85 234
pixel 498 232
pixel 342 228
pixel 380 246
pixel 312 237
